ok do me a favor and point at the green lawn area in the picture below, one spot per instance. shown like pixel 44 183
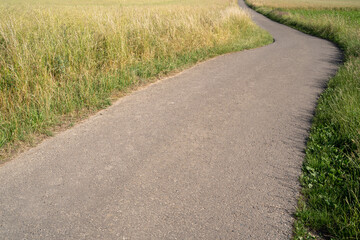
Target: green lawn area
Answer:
pixel 330 204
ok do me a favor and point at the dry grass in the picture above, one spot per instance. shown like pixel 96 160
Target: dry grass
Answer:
pixel 59 59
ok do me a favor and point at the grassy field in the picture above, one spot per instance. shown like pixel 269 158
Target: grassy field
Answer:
pixel 330 205
pixel 62 60
pixel 307 4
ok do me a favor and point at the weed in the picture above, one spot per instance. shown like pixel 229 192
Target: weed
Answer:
pixel 60 59
pixel 331 171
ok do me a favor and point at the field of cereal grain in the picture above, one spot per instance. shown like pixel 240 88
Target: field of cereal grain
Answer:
pixel 65 60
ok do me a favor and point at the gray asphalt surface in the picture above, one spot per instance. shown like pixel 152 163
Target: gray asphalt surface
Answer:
pixel 212 153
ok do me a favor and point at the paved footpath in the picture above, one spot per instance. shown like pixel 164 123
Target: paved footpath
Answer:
pixel 212 153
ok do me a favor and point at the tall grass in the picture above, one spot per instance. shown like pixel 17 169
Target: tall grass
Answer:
pixel 65 60
pixel 331 173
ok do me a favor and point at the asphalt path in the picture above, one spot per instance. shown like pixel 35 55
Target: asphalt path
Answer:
pixel 212 153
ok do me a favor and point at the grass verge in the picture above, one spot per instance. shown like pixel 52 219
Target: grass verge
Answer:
pixel 330 203
pixel 66 61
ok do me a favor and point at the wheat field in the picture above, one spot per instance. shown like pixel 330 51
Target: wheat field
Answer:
pixel 64 60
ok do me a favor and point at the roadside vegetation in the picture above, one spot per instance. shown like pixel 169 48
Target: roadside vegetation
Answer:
pixel 62 60
pixel 330 204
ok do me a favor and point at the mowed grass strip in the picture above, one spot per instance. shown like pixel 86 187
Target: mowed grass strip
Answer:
pixel 330 206
pixel 306 4
pixel 65 60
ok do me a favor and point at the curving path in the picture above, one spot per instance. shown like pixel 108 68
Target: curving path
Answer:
pixel 212 153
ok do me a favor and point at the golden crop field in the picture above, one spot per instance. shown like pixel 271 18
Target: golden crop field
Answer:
pixel 113 3
pixel 67 58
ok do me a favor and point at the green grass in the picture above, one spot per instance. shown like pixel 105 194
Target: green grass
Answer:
pixel 60 62
pixel 330 205
pixel 306 4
